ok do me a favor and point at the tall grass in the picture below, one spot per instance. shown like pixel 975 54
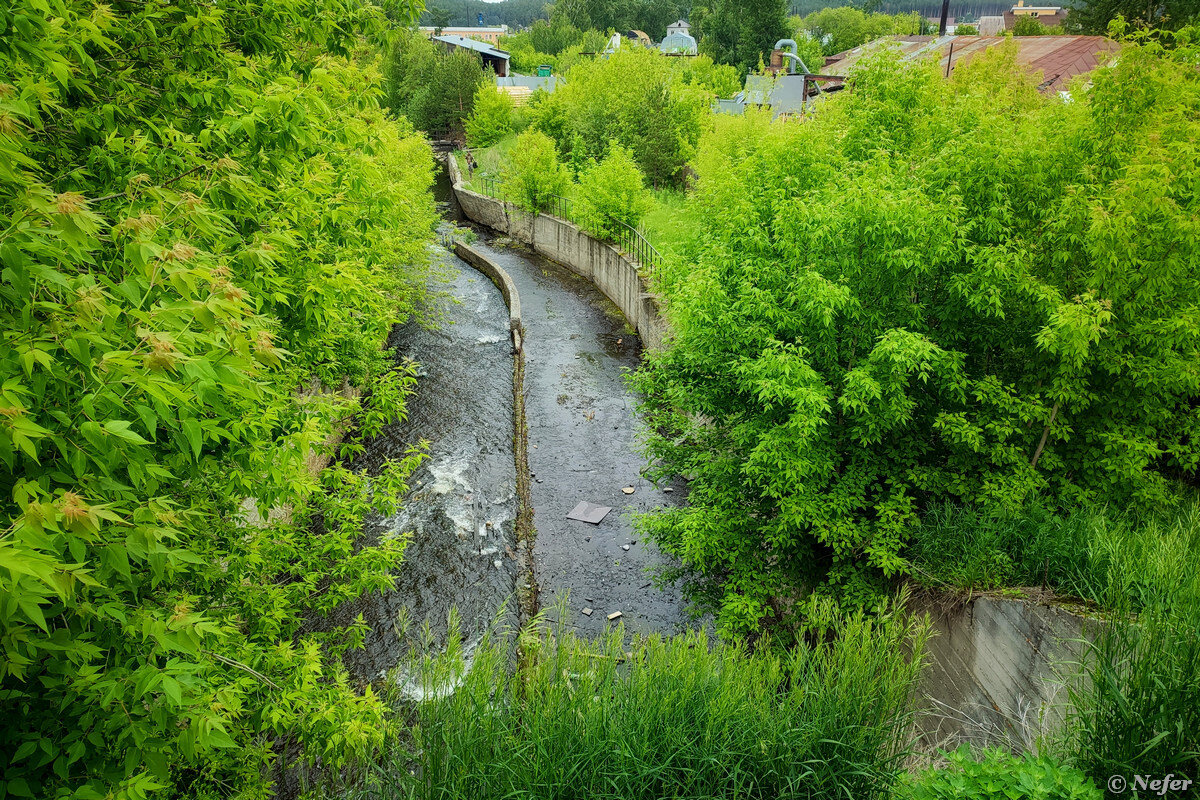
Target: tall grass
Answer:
pixel 1113 560
pixel 678 717
pixel 1138 709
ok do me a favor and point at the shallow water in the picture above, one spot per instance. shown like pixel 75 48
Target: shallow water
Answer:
pixel 462 505
pixel 583 430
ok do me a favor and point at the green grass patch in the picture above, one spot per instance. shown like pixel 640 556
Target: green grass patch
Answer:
pixel 669 225
pixel 1103 557
pixel 662 717
pixel 489 161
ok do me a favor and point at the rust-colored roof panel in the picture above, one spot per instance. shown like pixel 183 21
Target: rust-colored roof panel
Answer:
pixel 1059 58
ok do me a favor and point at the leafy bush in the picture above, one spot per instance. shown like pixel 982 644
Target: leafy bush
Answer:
pixel 611 192
pixel 653 105
pixel 534 174
pixel 998 774
pixel 966 30
pixel 492 118
pixel 1137 708
pixel 866 326
pixel 193 196
pixel 846 27
pixel 1116 561
pixel 1026 25
pixel 656 717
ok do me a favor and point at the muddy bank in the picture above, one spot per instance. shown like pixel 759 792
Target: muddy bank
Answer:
pixel 583 431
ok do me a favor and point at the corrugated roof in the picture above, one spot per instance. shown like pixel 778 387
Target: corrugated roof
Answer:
pixel 784 94
pixel 1059 58
pixel 472 44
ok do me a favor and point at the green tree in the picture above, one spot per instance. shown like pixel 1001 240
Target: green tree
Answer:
pixel 1095 16
pixel 966 30
pixel 740 32
pixel 652 105
pixel 492 116
pixel 840 29
pixel 438 17
pixel 612 192
pixel 434 88
pixel 535 174
pixel 890 306
pixel 205 208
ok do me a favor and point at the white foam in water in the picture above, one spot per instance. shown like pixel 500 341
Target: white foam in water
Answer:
pixel 448 476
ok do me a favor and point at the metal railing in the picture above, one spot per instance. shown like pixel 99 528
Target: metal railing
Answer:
pixel 635 244
pixel 628 239
pixel 491 187
pixel 560 207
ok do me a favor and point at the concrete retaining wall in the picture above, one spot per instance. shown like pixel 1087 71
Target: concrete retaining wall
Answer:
pixel 613 273
pixel 998 669
pixel 504 283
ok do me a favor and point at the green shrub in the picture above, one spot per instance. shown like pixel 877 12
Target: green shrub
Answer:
pixel 865 326
pixel 534 174
pixel 966 30
pixel 1025 25
pixel 1116 561
pixel 612 192
pixel 657 717
pixel 205 209
pixel 493 116
pixel 998 774
pixel 434 88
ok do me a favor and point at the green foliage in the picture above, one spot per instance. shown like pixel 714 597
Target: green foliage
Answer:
pixel 1114 561
pixel 1096 16
pixel 493 116
pixel 610 192
pixel 433 88
pixel 741 32
pixel 193 197
pixel 840 29
pixel 1026 25
pixel 534 174
pixel 651 16
pixel 998 774
pixel 892 306
pixel 966 30
pixel 1137 708
pixel 652 105
pixel 653 717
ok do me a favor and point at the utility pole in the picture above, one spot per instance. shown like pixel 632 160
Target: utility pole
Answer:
pixel 945 16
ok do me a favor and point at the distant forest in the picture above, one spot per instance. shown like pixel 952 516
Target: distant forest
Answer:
pixel 522 13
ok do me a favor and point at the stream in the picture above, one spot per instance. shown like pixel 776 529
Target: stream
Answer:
pixel 461 511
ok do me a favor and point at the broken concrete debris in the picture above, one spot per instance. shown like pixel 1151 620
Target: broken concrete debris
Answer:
pixel 614 615
pixel 589 512
pixel 587 612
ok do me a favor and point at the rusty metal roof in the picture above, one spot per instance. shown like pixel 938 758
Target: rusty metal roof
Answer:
pixel 1059 58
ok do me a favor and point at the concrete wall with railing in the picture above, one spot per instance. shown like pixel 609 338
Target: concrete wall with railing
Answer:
pixel 613 272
